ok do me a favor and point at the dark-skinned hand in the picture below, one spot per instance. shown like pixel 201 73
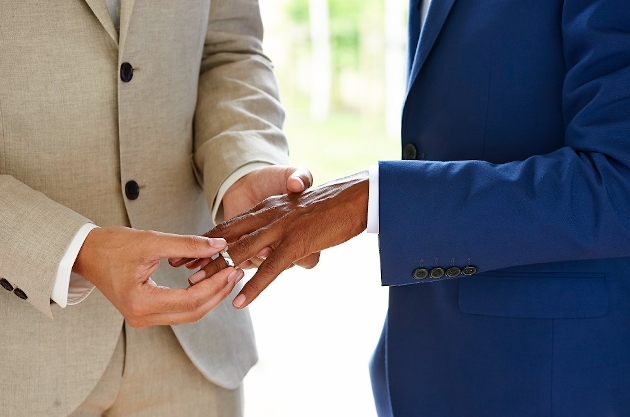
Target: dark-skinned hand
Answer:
pixel 290 227
pixel 245 194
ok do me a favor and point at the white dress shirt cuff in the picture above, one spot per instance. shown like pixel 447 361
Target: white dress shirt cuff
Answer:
pixel 71 288
pixel 217 211
pixel 373 214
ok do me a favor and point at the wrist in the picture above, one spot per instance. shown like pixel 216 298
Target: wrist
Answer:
pixel 82 261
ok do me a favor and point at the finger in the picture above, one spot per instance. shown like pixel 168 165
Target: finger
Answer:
pixel 193 263
pixel 264 252
pixel 213 299
pixel 240 251
pixel 273 266
pixel 177 262
pixel 247 265
pixel 243 224
pixel 252 263
pixel 198 263
pixel 309 261
pixel 214 267
pixel 257 260
pixel 153 299
pixel 299 179
pixel 165 245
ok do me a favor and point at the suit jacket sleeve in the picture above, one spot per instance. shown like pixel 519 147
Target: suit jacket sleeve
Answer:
pixel 566 205
pixel 35 232
pixel 238 116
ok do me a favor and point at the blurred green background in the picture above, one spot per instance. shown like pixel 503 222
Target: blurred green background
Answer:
pixel 340 146
pixel 340 65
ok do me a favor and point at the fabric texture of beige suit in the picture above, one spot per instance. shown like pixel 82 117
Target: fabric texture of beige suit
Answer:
pixel 202 103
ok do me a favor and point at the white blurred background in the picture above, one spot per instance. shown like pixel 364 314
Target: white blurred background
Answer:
pixel 341 70
pixel 316 331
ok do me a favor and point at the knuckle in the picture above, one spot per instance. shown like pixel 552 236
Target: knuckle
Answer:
pixel 256 286
pixel 193 242
pixel 192 303
pixel 218 230
pixel 269 269
pixel 241 249
pixel 215 266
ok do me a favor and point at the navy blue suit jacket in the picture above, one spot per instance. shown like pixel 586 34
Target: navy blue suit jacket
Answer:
pixel 518 117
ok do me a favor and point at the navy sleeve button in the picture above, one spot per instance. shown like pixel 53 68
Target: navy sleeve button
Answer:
pixel 420 273
pixel 469 270
pixel 437 273
pixel 453 272
pixel 409 152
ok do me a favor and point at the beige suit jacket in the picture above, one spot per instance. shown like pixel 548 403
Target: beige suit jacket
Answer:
pixel 202 103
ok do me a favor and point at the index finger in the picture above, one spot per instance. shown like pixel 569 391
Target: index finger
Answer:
pixel 243 224
pixel 245 248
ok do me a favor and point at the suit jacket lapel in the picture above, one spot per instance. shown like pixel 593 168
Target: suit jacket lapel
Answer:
pixel 126 7
pixel 99 8
pixel 438 12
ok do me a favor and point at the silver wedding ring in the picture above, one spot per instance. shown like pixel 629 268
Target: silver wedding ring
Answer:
pixel 226 257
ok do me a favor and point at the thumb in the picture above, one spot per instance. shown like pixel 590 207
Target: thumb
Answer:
pixel 299 179
pixel 167 245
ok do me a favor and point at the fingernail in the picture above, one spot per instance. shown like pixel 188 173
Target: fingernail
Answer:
pixel 197 277
pixel 301 182
pixel 174 260
pixel 217 242
pixel 238 301
pixel 236 275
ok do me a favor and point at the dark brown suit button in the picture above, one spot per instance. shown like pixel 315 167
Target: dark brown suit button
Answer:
pixel 132 190
pixel 420 273
pixel 20 293
pixel 409 152
pixel 453 272
pixel 126 72
pixel 437 273
pixel 6 284
pixel 469 270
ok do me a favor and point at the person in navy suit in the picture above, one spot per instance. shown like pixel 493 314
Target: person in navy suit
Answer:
pixel 505 231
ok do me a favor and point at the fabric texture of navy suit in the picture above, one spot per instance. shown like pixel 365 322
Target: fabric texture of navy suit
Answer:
pixel 518 117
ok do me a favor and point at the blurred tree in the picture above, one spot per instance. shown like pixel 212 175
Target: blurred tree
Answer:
pixel 321 71
pixel 354 62
pixel 345 17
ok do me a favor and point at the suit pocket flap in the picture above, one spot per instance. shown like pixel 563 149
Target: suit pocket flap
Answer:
pixel 534 295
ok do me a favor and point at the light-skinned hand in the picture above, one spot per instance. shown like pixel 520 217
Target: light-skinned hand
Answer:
pixel 119 261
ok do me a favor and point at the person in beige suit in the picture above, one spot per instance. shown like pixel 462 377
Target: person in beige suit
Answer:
pixel 135 116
